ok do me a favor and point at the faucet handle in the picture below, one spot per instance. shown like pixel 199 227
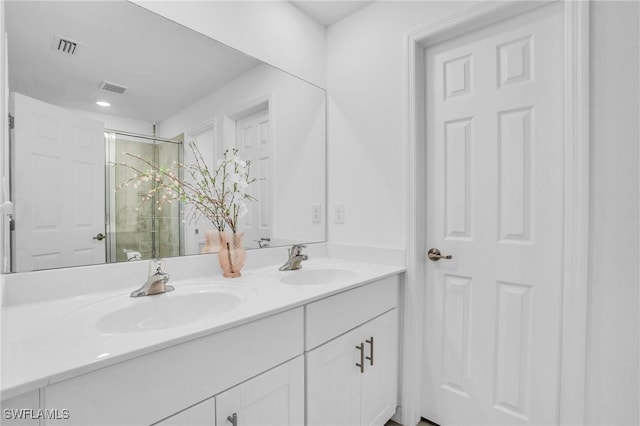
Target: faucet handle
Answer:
pixel 156 267
pixel 296 249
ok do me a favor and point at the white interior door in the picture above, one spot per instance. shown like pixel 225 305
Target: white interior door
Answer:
pixel 254 144
pixel 495 202
pixel 206 141
pixel 58 186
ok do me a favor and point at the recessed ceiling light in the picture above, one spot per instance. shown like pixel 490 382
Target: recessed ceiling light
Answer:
pixel 103 103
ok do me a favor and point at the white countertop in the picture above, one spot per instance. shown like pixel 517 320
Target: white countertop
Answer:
pixel 50 341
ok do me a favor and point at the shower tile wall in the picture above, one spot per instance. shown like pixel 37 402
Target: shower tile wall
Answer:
pixel 133 217
pixel 169 224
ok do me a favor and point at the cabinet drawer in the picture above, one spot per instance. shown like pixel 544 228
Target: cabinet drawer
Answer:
pixel 147 389
pixel 335 315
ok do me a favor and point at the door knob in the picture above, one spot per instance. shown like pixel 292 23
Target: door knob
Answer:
pixel 100 237
pixel 435 255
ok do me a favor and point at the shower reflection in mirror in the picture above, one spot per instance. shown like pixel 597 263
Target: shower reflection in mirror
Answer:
pixel 61 189
pixel 136 230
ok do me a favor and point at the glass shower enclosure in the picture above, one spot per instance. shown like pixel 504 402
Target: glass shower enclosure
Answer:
pixel 137 229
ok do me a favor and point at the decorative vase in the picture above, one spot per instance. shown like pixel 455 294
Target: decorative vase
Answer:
pixel 231 255
pixel 213 242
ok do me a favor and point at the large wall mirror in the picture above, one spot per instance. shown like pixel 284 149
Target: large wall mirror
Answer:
pixel 165 86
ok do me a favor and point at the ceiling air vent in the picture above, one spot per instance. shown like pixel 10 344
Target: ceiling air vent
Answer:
pixel 65 45
pixel 112 87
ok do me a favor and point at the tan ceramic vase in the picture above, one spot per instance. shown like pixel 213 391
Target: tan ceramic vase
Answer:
pixel 231 255
pixel 213 242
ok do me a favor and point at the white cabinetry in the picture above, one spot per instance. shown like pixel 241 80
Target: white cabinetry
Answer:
pixel 202 414
pixel 249 374
pixel 352 379
pixel 21 410
pixel 275 397
pixel 153 387
pixel 334 384
pixel 380 370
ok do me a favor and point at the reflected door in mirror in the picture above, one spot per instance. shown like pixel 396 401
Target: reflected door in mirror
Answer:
pixel 203 92
pixel 197 228
pixel 58 187
pixel 253 143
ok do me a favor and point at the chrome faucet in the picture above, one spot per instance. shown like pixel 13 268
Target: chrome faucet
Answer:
pixel 156 283
pixel 132 255
pixel 295 258
pixel 263 242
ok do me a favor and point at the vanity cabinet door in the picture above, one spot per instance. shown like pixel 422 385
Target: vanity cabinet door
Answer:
pixel 274 398
pixel 202 414
pixel 352 380
pixel 334 383
pixel 380 379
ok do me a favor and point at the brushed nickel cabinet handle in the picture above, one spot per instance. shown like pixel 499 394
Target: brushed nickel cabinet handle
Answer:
pixel 233 419
pixel 360 347
pixel 370 357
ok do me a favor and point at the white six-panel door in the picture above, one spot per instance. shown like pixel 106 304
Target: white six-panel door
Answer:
pixel 253 140
pixel 495 203
pixel 58 186
pixel 206 142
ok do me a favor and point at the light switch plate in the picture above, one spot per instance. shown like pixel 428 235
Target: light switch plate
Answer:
pixel 316 213
pixel 339 213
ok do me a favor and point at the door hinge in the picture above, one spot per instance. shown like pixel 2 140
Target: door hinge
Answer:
pixel 12 122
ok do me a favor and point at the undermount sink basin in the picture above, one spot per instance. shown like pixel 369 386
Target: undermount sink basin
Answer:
pixel 316 276
pixel 123 314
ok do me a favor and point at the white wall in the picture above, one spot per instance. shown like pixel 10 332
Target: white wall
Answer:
pixel 121 123
pixel 275 32
pixel 613 356
pixel 297 112
pixel 366 79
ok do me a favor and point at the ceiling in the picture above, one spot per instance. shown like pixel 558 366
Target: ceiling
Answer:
pixel 329 12
pixel 166 66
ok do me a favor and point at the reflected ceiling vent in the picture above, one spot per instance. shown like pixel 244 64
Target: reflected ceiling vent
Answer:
pixel 65 45
pixel 113 87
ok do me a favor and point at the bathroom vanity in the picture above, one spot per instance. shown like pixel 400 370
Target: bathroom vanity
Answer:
pixel 315 346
